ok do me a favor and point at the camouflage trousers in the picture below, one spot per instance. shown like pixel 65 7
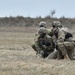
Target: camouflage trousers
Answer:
pixel 66 48
pixel 50 54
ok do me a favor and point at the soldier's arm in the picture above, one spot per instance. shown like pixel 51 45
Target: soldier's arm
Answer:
pixel 61 36
pixel 50 32
pixel 38 46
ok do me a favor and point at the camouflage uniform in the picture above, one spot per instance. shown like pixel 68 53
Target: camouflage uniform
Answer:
pixel 54 30
pixel 42 24
pixel 44 45
pixel 65 47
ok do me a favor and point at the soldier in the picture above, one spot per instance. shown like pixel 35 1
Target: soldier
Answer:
pixel 56 25
pixel 44 44
pixel 42 24
pixel 64 46
pixel 54 30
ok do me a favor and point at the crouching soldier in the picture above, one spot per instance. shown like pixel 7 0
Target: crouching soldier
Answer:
pixel 44 44
pixel 64 44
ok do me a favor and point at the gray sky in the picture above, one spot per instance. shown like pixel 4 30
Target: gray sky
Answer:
pixel 35 8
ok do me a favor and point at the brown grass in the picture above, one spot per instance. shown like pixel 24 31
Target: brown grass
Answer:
pixel 18 58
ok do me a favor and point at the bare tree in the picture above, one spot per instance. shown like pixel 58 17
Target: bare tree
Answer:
pixel 52 12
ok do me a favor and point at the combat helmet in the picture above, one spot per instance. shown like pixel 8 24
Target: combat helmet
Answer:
pixel 42 30
pixel 56 24
pixel 42 24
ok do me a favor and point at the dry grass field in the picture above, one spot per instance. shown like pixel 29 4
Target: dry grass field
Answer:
pixel 18 58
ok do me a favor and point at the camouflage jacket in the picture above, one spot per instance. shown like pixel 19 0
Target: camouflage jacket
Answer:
pixel 45 43
pixel 48 33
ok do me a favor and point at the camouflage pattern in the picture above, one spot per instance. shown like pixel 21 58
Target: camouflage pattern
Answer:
pixel 54 32
pixel 56 24
pixel 64 33
pixel 42 30
pixel 42 24
pixel 59 31
pixel 44 46
pixel 65 47
pixel 48 32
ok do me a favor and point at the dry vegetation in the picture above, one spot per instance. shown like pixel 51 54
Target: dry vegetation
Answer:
pixel 21 21
pixel 18 58
pixel 16 55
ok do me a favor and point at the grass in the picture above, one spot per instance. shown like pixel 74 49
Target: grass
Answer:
pixel 18 58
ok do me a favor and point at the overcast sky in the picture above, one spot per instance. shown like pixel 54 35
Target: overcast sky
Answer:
pixel 35 8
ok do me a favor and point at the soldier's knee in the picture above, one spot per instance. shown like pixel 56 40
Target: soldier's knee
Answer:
pixel 62 48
